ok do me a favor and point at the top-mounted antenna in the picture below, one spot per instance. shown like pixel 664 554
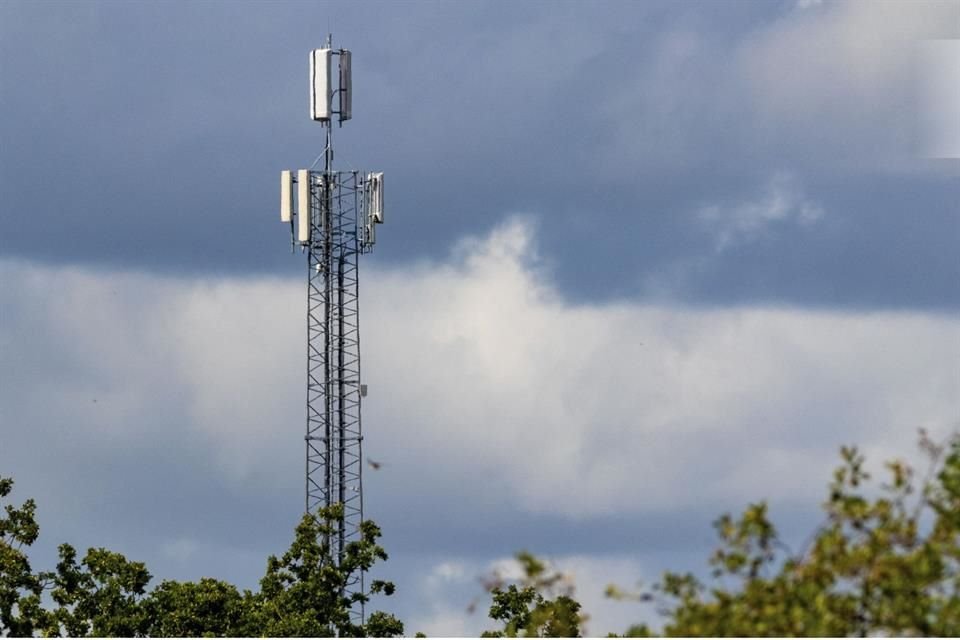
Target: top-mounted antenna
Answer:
pixel 322 89
pixel 315 189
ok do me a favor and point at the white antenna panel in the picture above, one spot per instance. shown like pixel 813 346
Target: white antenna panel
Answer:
pixel 303 206
pixel 320 84
pixel 286 196
pixel 346 87
pixel 376 196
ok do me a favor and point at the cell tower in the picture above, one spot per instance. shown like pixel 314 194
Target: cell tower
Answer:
pixel 333 221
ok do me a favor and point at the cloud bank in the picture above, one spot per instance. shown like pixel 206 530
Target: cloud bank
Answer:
pixel 174 410
pixel 483 377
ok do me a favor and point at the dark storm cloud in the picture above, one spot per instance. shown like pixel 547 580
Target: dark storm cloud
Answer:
pixel 149 136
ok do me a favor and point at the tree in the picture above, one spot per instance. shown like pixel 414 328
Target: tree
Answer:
pixel 101 596
pixel 871 568
pixel 21 613
pixel 542 605
pixel 192 609
pixel 883 562
pixel 302 592
pixel 304 595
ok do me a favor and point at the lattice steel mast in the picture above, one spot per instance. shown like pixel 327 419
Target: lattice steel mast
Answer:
pixel 333 222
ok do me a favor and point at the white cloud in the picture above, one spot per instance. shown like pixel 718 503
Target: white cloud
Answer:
pixel 841 77
pixel 486 384
pixel 938 68
pixel 587 409
pixel 488 388
pixel 781 200
pixel 828 85
pixel 442 594
pixel 126 358
pixel 180 550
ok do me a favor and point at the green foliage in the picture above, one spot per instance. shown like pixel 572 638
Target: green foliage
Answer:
pixel 883 562
pixel 101 596
pixel 194 609
pixel 106 595
pixel 382 625
pixel 21 613
pixel 542 605
pixel 867 570
pixel 303 595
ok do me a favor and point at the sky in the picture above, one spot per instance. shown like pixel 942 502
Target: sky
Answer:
pixel 643 262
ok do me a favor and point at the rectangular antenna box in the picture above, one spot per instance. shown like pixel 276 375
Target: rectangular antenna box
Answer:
pixel 346 87
pixel 376 196
pixel 320 92
pixel 303 206
pixel 286 196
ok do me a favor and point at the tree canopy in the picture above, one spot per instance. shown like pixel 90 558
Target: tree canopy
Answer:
pixel 542 605
pixel 884 561
pixel 106 595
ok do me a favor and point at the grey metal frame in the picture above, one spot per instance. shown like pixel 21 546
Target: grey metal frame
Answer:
pixel 334 438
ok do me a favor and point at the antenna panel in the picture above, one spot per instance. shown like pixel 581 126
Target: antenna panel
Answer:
pixel 376 197
pixel 320 84
pixel 304 209
pixel 346 87
pixel 286 196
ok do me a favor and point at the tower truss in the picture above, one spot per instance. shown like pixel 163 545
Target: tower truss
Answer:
pixel 333 222
pixel 334 436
